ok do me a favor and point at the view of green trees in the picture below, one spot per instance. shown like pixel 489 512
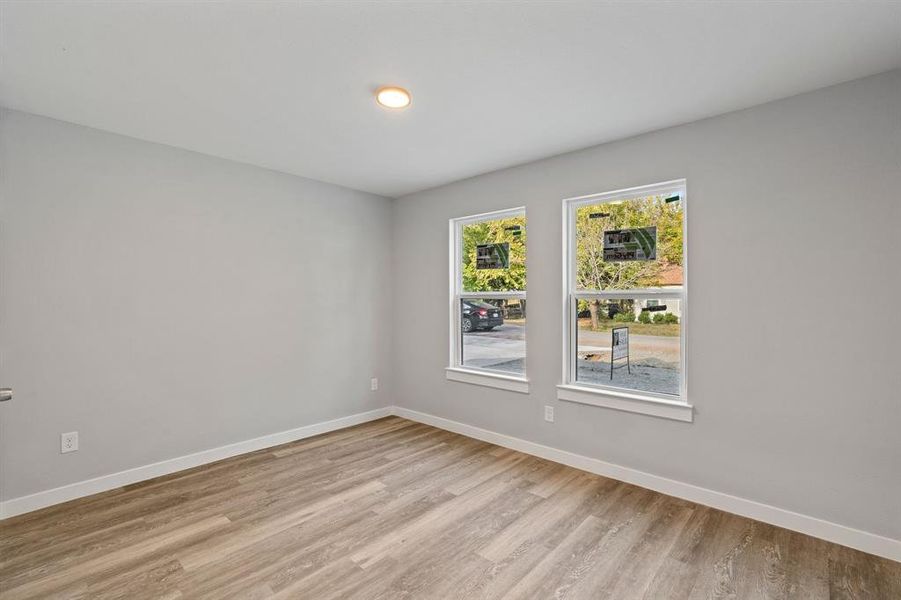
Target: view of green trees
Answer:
pixel 495 232
pixel 593 273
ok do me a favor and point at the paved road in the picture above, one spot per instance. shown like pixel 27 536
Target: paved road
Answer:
pixel 507 343
pixel 662 347
pixel 504 344
pixel 654 359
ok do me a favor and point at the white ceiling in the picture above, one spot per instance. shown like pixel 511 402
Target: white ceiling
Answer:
pixel 289 85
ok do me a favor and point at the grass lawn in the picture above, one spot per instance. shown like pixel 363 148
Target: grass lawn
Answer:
pixel 666 329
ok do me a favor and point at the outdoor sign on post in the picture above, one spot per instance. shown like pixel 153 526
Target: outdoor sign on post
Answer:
pixel 493 256
pixel 619 348
pixel 639 243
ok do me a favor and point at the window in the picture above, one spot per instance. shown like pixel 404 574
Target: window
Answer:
pixel 488 300
pixel 625 300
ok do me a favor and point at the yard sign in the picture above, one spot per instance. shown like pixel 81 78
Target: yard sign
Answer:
pixel 619 348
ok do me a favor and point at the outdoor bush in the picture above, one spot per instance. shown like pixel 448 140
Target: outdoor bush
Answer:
pixel 670 318
pixel 658 318
pixel 644 317
pixel 624 317
pixel 582 308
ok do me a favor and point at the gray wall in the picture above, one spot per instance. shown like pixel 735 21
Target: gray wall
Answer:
pixel 162 302
pixel 794 340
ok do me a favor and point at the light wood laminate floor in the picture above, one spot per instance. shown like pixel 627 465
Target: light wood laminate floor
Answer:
pixel 396 509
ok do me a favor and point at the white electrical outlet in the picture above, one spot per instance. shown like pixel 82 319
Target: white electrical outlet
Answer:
pixel 549 414
pixel 374 383
pixel 68 442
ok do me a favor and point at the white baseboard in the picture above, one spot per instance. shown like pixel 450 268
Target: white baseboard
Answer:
pixel 832 532
pixel 24 504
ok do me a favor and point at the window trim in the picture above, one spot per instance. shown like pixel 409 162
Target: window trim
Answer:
pixel 624 399
pixel 455 370
pixel 495 379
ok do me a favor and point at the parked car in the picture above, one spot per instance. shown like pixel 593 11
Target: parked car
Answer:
pixel 480 315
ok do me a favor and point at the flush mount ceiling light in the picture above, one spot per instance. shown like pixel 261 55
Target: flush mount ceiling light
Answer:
pixel 393 97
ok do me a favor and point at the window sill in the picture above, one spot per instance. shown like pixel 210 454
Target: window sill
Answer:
pixel 510 383
pixel 646 405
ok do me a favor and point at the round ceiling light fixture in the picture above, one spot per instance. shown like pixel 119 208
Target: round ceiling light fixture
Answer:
pixel 393 97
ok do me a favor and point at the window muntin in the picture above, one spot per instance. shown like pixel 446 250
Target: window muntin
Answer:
pixel 488 308
pixel 626 268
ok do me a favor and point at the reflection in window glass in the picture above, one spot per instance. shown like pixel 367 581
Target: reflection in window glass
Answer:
pixel 493 333
pixel 494 255
pixel 649 360
pixel 629 244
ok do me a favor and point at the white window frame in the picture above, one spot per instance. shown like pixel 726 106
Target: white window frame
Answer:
pixel 456 371
pixel 659 405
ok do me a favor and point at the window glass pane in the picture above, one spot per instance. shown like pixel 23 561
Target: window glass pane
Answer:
pixel 627 244
pixel 493 333
pixel 494 255
pixel 646 359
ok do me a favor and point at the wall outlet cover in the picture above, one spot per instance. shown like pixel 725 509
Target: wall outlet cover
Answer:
pixel 374 383
pixel 549 414
pixel 68 442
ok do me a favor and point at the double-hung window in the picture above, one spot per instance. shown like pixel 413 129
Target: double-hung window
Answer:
pixel 625 300
pixel 488 300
